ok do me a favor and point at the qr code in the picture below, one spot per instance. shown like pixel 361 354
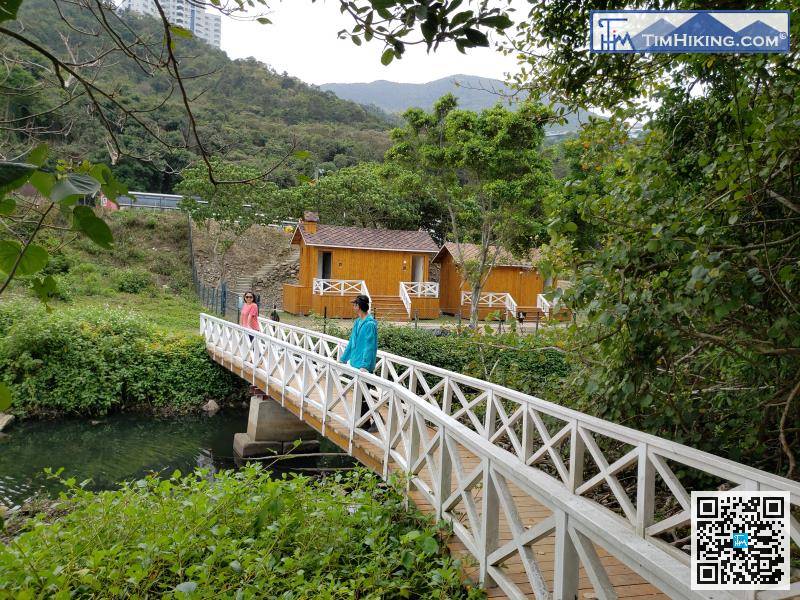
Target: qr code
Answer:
pixel 740 540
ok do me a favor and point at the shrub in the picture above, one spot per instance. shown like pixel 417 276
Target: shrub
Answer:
pixel 84 280
pixel 239 535
pixel 58 264
pixel 529 364
pixel 91 361
pixel 165 263
pixel 134 281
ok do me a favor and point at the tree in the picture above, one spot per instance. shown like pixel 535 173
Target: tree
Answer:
pixel 488 170
pixel 72 76
pixel 227 211
pixel 370 195
pixel 683 242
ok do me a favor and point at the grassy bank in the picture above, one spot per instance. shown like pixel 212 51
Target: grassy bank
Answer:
pixel 240 535
pixel 122 333
pixel 91 360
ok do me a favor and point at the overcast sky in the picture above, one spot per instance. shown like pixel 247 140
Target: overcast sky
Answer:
pixel 302 41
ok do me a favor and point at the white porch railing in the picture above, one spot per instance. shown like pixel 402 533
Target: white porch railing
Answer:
pixel 544 305
pixel 417 289
pixel 421 289
pixel 340 287
pixel 492 299
pixel 405 298
pixel 539 447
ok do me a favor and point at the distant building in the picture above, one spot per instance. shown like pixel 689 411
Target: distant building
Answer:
pixel 184 13
pixel 337 263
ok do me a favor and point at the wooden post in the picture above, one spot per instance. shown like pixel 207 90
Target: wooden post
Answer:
pixel 355 413
pixel 445 471
pixel 328 395
pixel 645 491
pixel 565 582
pixel 490 523
pixel 576 457
pixel 391 430
pixel 413 448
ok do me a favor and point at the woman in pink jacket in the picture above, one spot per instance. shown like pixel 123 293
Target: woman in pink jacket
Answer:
pixel 248 317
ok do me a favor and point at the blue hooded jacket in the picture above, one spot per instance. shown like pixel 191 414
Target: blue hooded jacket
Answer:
pixel 362 349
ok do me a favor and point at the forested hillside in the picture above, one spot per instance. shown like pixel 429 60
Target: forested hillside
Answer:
pixel 245 111
pixel 473 93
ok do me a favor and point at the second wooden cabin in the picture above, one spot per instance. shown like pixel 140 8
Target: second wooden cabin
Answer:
pixel 512 286
pixel 337 263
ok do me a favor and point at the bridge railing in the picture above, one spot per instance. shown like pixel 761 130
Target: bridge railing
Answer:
pixel 418 438
pixel 626 474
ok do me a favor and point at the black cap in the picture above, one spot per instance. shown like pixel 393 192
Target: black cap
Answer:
pixel 362 301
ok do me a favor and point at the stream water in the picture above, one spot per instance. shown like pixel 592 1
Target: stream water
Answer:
pixel 116 448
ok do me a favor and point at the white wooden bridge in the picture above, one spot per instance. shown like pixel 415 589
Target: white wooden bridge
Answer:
pixel 548 501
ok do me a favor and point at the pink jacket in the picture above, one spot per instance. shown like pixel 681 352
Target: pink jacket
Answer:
pixel 249 316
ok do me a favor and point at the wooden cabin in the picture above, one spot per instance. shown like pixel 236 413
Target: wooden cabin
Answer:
pixel 513 284
pixel 338 263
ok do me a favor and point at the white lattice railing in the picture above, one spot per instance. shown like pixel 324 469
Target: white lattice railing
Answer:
pixel 543 304
pixel 421 289
pixel 338 287
pixel 559 456
pixel 365 291
pixel 417 289
pixel 492 299
pixel 405 298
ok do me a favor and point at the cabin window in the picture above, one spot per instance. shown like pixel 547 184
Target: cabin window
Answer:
pixel 324 265
pixel 417 268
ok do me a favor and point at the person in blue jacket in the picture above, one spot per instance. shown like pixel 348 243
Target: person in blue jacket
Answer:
pixel 362 349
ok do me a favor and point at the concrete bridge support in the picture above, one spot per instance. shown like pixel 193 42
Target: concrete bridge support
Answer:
pixel 271 429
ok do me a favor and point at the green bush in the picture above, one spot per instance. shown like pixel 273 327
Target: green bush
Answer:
pixel 84 280
pixel 58 264
pixel 240 535
pixel 91 361
pixel 529 364
pixel 134 281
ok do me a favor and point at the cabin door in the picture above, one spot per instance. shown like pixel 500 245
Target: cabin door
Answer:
pixel 324 265
pixel 417 268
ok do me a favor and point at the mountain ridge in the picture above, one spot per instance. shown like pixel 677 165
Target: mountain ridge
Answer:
pixel 473 92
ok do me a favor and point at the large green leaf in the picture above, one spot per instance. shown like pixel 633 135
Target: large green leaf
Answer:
pixel 7 206
pixel 33 260
pixel 85 221
pixel 14 174
pixel 110 185
pixel 8 9
pixel 38 155
pixel 497 21
pixel 180 32
pixel 5 396
pixel 44 288
pixel 43 182
pixel 74 186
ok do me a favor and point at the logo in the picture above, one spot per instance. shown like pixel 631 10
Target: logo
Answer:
pixel 677 31
pixel 740 540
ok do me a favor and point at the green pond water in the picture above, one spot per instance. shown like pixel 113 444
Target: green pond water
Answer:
pixel 120 447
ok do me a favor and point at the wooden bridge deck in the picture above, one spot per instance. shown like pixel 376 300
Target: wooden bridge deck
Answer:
pixel 626 583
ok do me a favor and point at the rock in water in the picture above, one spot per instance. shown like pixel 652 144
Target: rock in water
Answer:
pixel 5 420
pixel 211 408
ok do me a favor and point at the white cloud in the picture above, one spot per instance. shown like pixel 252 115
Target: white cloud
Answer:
pixel 302 41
